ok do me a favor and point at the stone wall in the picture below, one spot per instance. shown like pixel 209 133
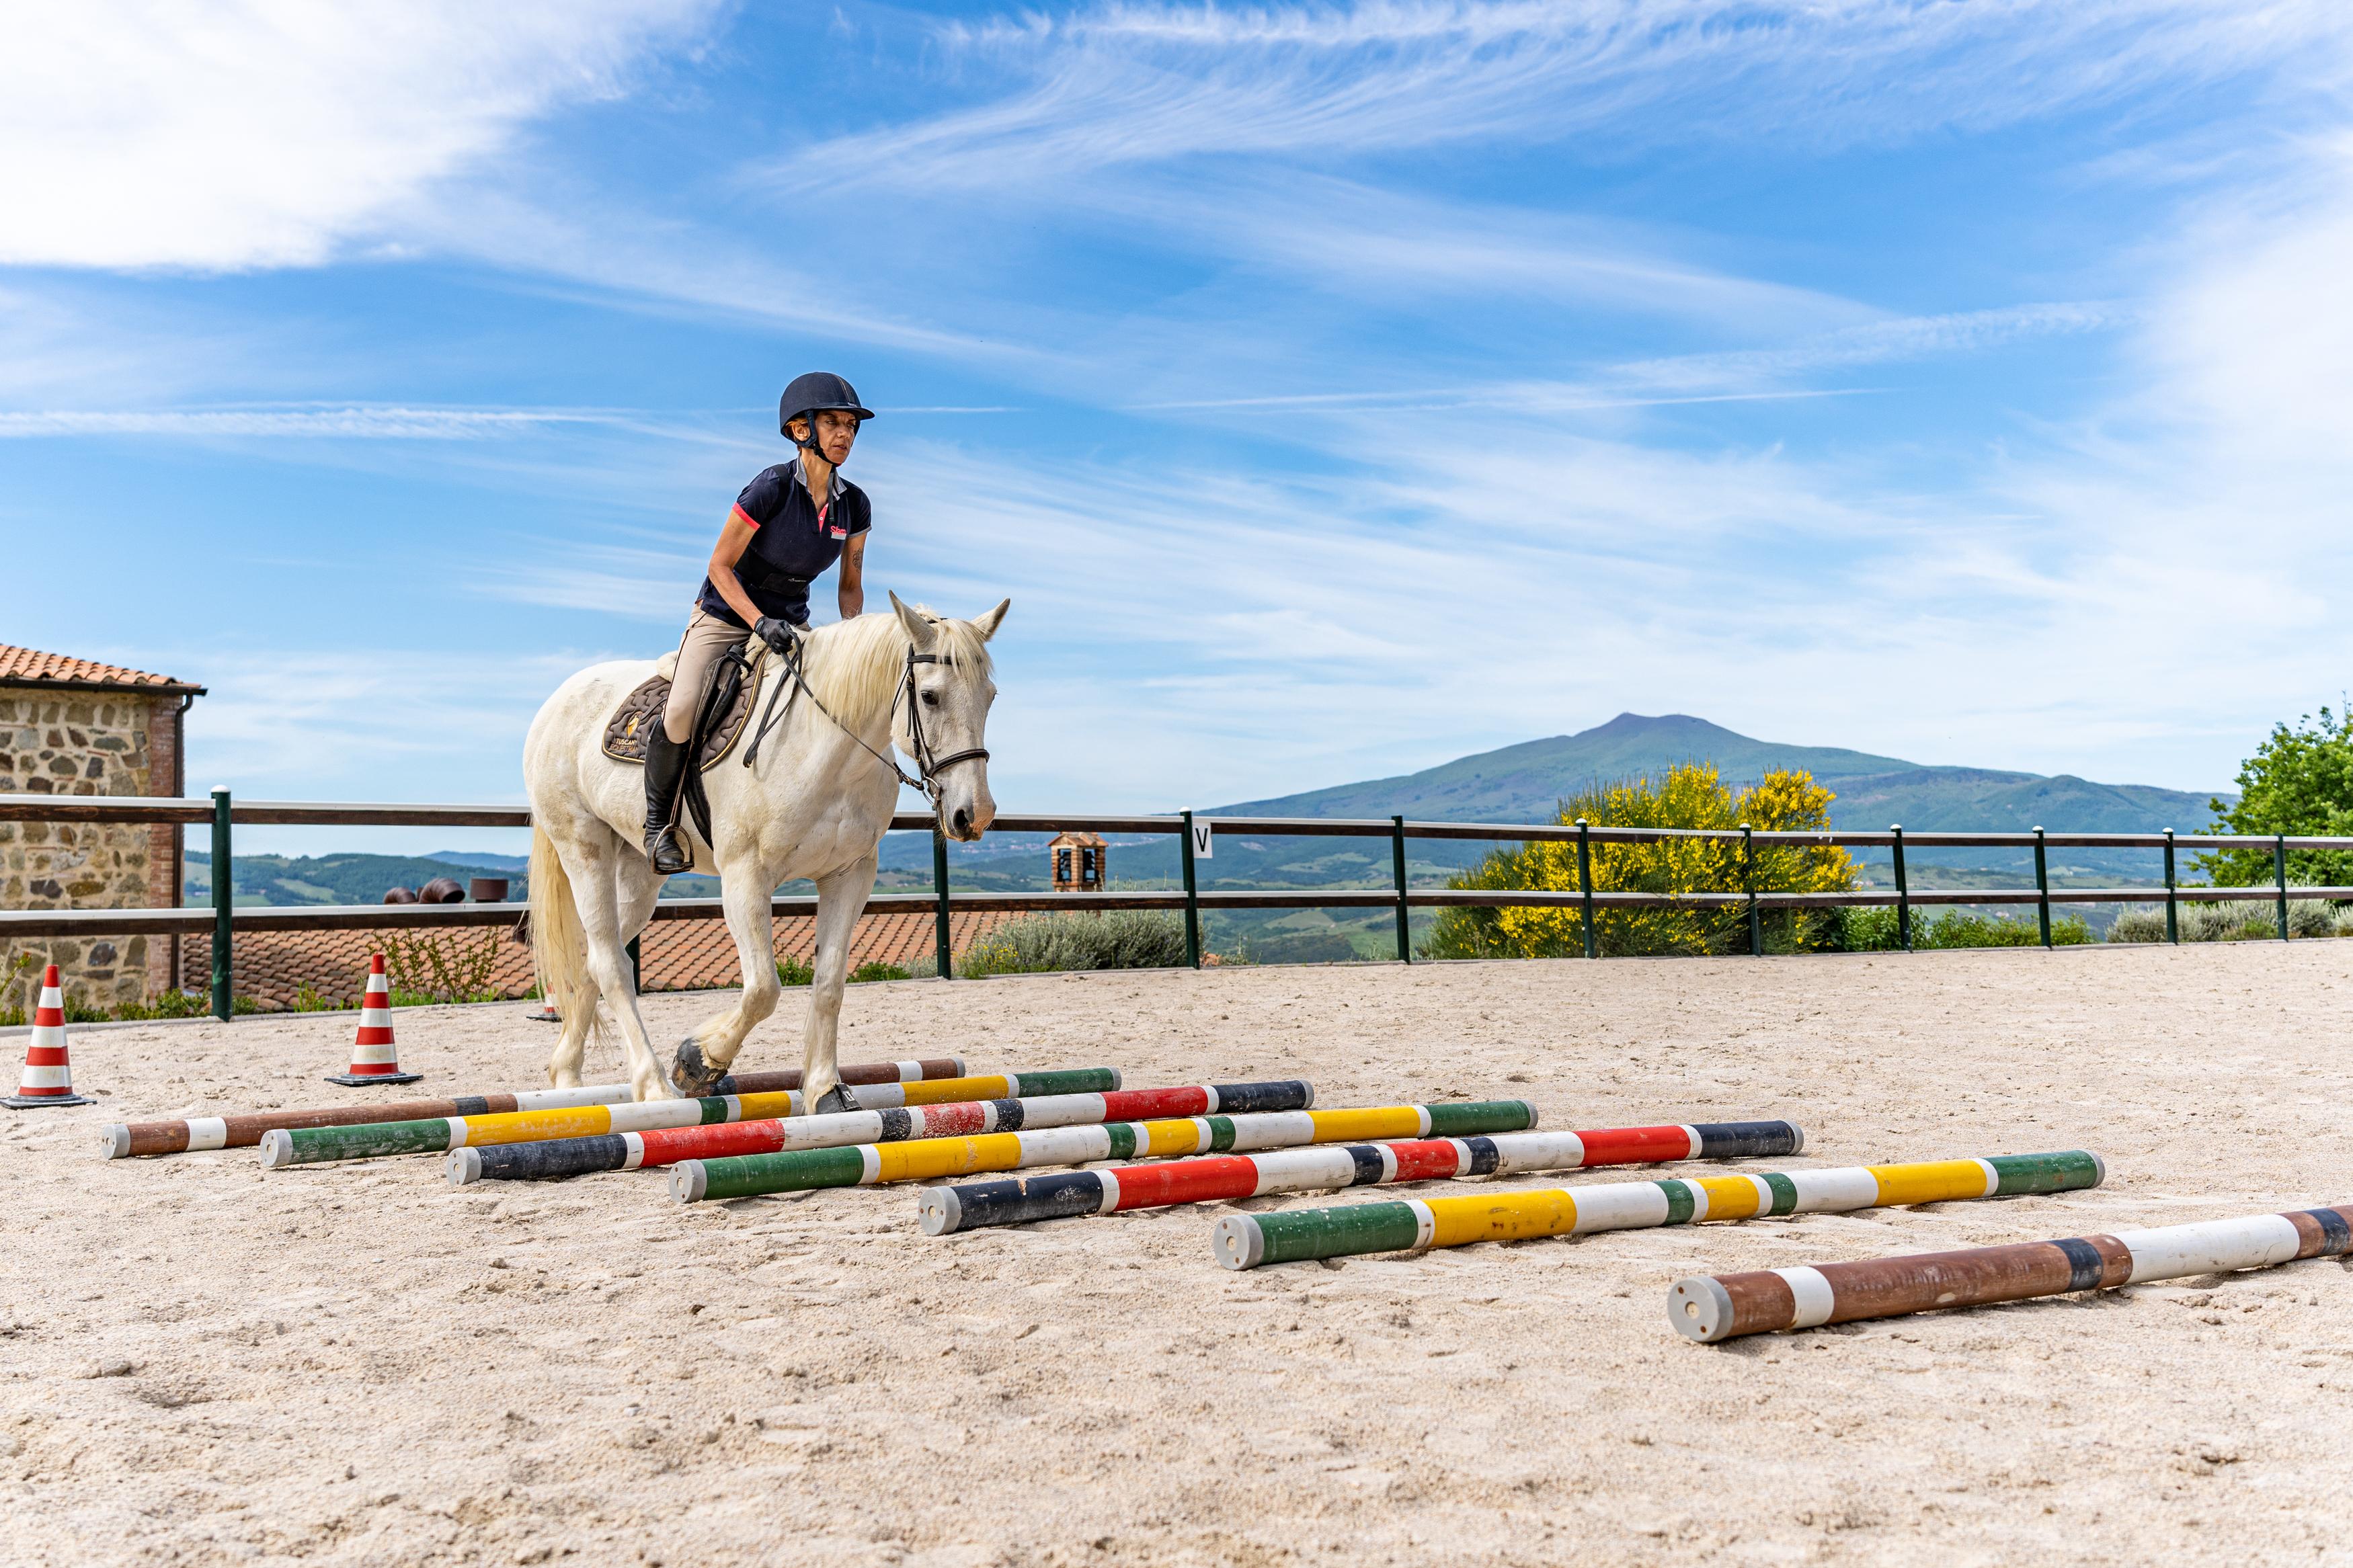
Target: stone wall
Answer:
pixel 55 742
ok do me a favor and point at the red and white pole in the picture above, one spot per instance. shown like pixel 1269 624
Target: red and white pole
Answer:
pixel 374 1059
pixel 49 1077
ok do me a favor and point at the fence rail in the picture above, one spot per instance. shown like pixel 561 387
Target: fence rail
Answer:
pixel 224 919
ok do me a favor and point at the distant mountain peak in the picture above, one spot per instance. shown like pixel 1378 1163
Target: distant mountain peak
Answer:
pixel 1527 780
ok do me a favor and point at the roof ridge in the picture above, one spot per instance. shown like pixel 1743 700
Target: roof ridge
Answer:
pixel 33 667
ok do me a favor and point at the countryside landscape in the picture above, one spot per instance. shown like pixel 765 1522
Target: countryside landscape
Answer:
pixel 1170 783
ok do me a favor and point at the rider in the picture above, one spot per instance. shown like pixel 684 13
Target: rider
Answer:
pixel 790 523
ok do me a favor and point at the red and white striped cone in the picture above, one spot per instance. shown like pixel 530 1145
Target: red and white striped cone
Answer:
pixel 374 1058
pixel 48 1076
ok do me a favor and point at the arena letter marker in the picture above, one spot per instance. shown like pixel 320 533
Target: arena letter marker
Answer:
pixel 973 1204
pixel 1293 1236
pixel 1711 1308
pixel 695 1180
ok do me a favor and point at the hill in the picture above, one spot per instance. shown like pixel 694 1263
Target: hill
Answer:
pixel 1526 783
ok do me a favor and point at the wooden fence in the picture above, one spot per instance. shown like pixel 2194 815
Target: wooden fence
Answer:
pixel 223 921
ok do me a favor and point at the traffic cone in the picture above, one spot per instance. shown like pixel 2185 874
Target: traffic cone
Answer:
pixel 49 1077
pixel 374 1058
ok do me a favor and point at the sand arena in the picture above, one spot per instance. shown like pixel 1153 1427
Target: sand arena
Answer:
pixel 201 1362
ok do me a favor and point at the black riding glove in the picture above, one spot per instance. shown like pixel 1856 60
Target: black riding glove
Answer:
pixel 781 635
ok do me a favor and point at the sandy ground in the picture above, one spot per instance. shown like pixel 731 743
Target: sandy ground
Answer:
pixel 203 1362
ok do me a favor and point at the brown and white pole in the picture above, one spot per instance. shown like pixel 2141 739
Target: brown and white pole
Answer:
pixel 1713 1307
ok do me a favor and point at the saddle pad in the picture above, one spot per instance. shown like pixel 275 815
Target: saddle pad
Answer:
pixel 633 721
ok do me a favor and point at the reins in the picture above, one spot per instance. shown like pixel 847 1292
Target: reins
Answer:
pixel 928 764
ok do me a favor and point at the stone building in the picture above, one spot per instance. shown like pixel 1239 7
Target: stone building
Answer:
pixel 72 726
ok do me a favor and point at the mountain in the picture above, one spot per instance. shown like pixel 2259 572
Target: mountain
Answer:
pixel 1525 783
pixel 341 879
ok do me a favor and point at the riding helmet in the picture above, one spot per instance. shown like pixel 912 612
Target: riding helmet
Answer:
pixel 816 391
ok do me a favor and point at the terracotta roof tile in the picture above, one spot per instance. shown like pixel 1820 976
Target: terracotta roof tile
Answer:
pixel 28 665
pixel 272 967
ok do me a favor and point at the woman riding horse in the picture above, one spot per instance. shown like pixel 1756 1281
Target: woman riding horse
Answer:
pixel 789 524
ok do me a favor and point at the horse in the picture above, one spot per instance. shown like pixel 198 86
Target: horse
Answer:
pixel 811 799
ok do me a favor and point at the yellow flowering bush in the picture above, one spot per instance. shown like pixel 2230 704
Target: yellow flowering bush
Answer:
pixel 1690 796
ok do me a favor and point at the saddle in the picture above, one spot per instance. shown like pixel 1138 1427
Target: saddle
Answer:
pixel 719 723
pixel 726 710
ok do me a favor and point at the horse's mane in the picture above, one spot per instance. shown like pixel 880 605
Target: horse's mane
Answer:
pixel 854 666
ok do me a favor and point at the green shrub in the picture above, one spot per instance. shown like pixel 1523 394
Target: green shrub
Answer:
pixel 1115 939
pixel 164 1004
pixel 2138 924
pixel 791 971
pixel 877 971
pixel 1874 930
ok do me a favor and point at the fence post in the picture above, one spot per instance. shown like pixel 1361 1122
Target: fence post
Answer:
pixel 2279 869
pixel 943 941
pixel 2042 886
pixel 1192 901
pixel 1584 881
pixel 223 900
pixel 2172 899
pixel 1405 921
pixel 1748 881
pixel 1903 892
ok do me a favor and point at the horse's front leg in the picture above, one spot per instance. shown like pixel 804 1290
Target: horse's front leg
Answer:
pixel 840 899
pixel 705 1055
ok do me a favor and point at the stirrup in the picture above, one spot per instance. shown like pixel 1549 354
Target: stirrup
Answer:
pixel 663 849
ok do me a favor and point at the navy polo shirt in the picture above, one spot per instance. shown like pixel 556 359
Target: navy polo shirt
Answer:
pixel 793 539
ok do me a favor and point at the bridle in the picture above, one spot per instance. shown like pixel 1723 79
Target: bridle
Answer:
pixel 929 764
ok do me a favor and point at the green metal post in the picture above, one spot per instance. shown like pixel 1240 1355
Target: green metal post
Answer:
pixel 2042 886
pixel 223 900
pixel 942 939
pixel 1584 881
pixel 637 967
pixel 1903 892
pixel 1192 901
pixel 2279 870
pixel 1405 921
pixel 1748 881
pixel 2172 897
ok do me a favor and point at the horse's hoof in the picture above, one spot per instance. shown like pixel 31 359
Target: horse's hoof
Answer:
pixel 695 1077
pixel 837 1099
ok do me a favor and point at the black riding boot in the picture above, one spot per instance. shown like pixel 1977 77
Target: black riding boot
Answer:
pixel 665 768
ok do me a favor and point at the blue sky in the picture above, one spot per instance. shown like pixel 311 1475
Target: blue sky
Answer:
pixel 1335 389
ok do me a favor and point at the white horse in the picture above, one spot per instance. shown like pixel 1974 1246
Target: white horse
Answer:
pixel 815 805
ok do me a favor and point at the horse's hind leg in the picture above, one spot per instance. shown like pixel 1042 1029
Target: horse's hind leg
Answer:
pixel 596 873
pixel 571 1046
pixel 704 1056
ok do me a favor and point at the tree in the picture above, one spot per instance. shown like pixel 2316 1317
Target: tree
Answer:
pixel 1690 796
pixel 2300 781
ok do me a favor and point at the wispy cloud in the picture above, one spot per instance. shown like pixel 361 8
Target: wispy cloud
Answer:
pixel 1144 84
pixel 373 424
pixel 247 134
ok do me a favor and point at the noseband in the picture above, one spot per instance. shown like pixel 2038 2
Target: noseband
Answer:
pixel 929 764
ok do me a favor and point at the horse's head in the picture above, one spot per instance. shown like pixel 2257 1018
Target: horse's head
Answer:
pixel 944 726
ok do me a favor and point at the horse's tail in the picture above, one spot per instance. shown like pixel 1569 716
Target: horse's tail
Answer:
pixel 559 944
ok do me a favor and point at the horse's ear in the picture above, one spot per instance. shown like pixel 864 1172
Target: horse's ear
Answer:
pixel 919 630
pixel 986 624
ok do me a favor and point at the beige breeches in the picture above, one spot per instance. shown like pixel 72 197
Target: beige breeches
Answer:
pixel 707 637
